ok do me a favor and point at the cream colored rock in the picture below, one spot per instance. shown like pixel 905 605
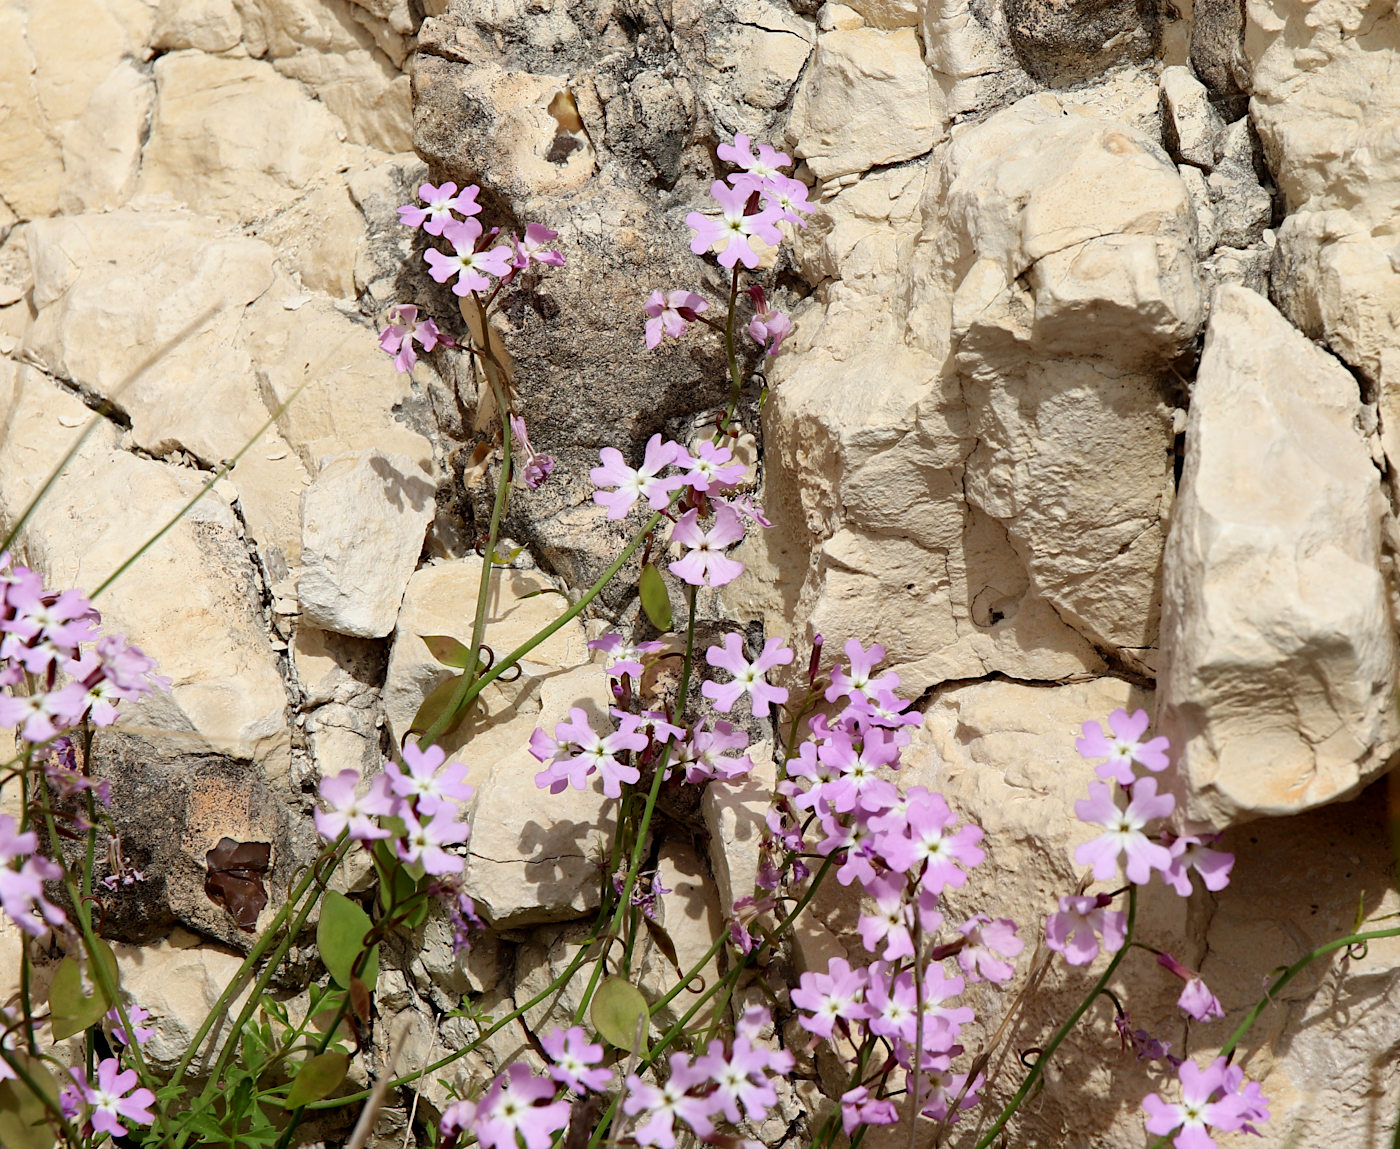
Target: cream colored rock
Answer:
pixel 690 914
pixel 319 238
pixel 31 158
pixel 1192 126
pixel 366 93
pixel 735 814
pixel 441 600
pixel 534 856
pixel 867 99
pixel 363 520
pixel 206 25
pixel 177 981
pixel 1280 661
pixel 227 693
pixel 1082 240
pixel 102 147
pixel 233 139
pixel 889 14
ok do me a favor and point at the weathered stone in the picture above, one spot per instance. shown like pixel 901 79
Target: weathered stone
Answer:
pixel 1278 688
pixel 1191 126
pixel 206 25
pixel 1063 42
pixel 735 814
pixel 363 522
pixel 867 99
pixel 691 917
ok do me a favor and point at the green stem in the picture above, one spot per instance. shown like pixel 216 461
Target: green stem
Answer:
pixel 20 1070
pixel 736 380
pixel 1064 1031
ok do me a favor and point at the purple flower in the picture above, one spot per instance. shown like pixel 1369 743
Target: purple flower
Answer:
pixel 397 339
pixel 703 754
pixel 1209 1102
pixel 748 676
pixel 634 484
pixel 859 1108
pixel 711 468
pixel 442 202
pixel 113 1098
pixel 930 842
pixel 705 563
pixel 767 164
pixel 733 228
pixel 427 782
pixel 1125 835
pixel 939 1090
pixel 1142 1043
pixel 1192 853
pixel 1074 930
pixel 595 754
pixel 22 890
pixel 671 314
pixel 531 248
pixel 1124 748
pixel 351 811
pixel 835 996
pixel 1196 1000
pixel 859 680
pixel 423 841
pixel 623 657
pixel 987 938
pixel 769 326
pixel 520 1104
pixel 536 467
pixel 471 267
pixel 667 1102
pixel 575 1062
pixel 741 1075
pixel 890 923
pixel 135 1014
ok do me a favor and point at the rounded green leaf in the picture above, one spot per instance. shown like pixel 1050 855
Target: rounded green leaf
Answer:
pixel 77 1002
pixel 340 936
pixel 447 650
pixel 436 705
pixel 317 1078
pixel 620 1015
pixel 656 599
pixel 24 1119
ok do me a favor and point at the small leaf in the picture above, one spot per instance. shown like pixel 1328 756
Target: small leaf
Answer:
pixel 447 650
pixel 664 943
pixel 506 559
pixel 340 936
pixel 618 1008
pixel 435 705
pixel 359 999
pixel 317 1078
pixel 656 599
pixel 24 1119
pixel 73 1004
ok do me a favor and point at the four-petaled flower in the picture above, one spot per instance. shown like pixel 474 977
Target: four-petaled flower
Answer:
pixel 1210 1100
pixel 575 1062
pixel 114 1098
pixel 351 811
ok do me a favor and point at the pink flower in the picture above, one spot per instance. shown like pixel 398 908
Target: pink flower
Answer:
pixel 575 1061
pixel 985 939
pixel 1074 931
pixel 623 657
pixel 634 484
pixel 426 781
pixel 891 921
pixel 1124 748
pixel 769 326
pixel 471 267
pixel 595 754
pixel 667 1102
pixel 939 1090
pixel 531 248
pixel 932 842
pixel 353 812
pixel 835 996
pixel 741 1076
pixel 706 564
pixel 442 202
pixel 859 1108
pixel 748 676
pixel 767 164
pixel 423 841
pixel 733 228
pixel 703 754
pixel 397 339
pixel 1209 1102
pixel 536 467
pixel 1191 853
pixel 1196 1000
pixel 859 680
pixel 711 468
pixel 113 1098
pixel 135 1014
pixel 520 1104
pixel 671 314
pixel 1125 836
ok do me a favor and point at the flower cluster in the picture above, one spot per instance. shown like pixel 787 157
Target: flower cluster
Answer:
pixel 415 808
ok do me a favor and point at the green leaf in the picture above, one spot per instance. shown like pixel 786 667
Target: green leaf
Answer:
pixel 317 1078
pixel 340 936
pixel 663 942
pixel 76 1005
pixel 618 1008
pixel 447 650
pixel 24 1119
pixel 656 599
pixel 435 705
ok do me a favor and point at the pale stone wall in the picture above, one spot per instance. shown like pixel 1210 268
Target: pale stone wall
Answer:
pixel 1093 401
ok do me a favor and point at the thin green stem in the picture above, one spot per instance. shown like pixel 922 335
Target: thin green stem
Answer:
pixel 1064 1031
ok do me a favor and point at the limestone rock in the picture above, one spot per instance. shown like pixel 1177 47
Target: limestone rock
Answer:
pixel 1063 43
pixel 31 159
pixel 363 522
pixel 366 93
pixel 1192 127
pixel 1278 687
pixel 867 99
pixel 691 916
pixel 534 856
pixel 207 25
pixel 735 816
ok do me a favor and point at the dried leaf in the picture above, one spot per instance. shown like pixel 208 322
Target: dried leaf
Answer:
pixel 235 879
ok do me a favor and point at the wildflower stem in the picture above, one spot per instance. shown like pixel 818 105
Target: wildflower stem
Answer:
pixel 1064 1031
